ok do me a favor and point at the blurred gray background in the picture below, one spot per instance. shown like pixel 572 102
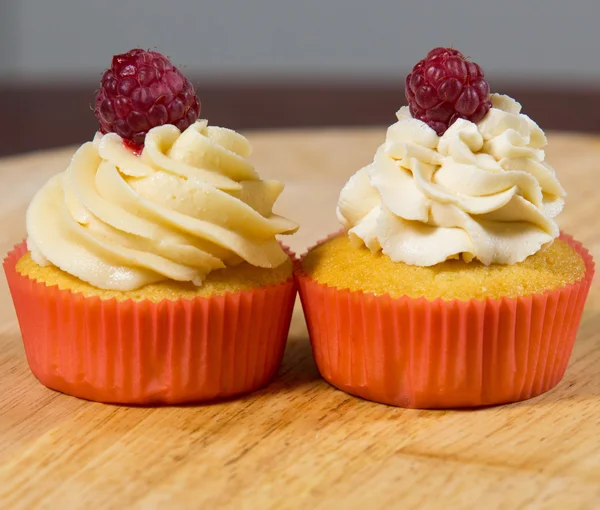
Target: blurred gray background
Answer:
pixel 277 63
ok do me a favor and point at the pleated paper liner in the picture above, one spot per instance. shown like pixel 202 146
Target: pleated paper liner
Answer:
pixel 443 354
pixel 190 350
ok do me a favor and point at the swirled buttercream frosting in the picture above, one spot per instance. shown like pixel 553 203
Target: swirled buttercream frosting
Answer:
pixel 480 191
pixel 189 204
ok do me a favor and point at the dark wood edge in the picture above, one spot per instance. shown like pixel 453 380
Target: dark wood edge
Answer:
pixel 39 116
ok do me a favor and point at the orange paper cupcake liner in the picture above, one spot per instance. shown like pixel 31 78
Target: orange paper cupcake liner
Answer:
pixel 443 354
pixel 189 350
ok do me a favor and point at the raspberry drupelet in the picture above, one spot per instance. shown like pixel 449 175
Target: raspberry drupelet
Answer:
pixel 444 87
pixel 142 90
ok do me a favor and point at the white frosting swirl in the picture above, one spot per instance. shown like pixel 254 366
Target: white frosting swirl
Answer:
pixel 189 204
pixel 479 191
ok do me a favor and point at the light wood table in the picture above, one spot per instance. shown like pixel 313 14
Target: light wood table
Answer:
pixel 300 443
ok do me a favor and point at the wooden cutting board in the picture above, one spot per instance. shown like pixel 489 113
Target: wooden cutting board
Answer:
pixel 300 443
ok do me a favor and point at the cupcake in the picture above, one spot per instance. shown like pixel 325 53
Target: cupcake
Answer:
pixel 451 285
pixel 151 272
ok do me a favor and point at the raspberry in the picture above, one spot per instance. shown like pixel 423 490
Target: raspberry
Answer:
pixel 142 90
pixel 445 86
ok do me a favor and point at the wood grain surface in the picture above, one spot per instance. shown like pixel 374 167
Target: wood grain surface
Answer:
pixel 300 443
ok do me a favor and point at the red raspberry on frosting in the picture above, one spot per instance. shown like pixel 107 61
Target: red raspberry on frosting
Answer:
pixel 142 90
pixel 444 87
